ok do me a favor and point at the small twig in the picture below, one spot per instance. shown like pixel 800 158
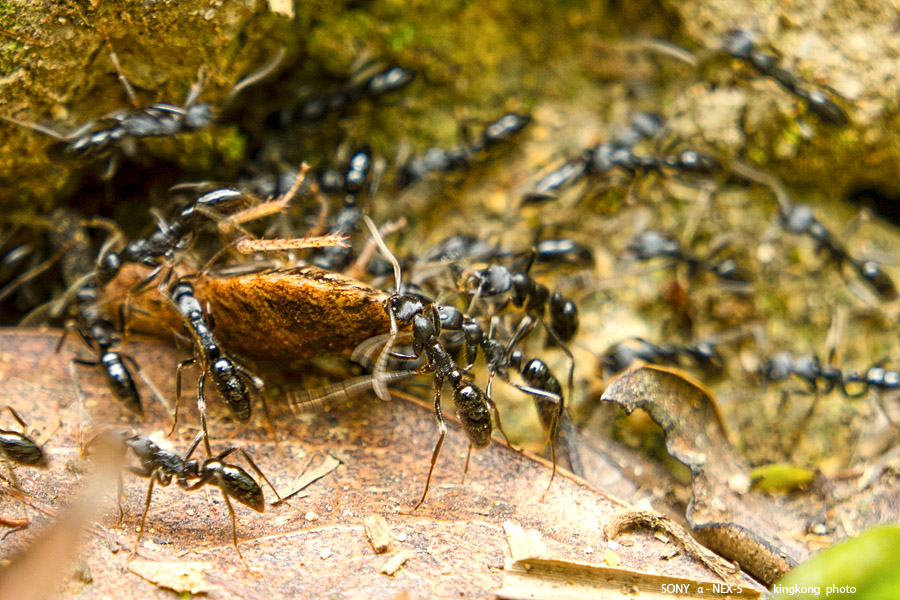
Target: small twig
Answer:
pixel 633 517
pixel 249 246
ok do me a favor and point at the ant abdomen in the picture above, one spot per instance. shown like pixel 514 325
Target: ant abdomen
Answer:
pixel 474 413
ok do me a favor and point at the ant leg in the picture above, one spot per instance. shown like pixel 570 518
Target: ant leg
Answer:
pixel 193 446
pixel 17 417
pixel 466 468
pixel 153 477
pixel 33 272
pixel 153 389
pixel 138 288
pixel 201 406
pixel 553 426
pixel 178 370
pixel 259 472
pixel 79 395
pixel 442 427
pixel 487 395
pixel 525 326
pixel 114 59
pixel 233 526
pixel 70 325
pixel 14 482
pixel 120 491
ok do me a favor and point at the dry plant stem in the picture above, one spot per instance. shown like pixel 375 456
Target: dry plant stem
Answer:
pixel 229 224
pixel 251 246
pixel 631 518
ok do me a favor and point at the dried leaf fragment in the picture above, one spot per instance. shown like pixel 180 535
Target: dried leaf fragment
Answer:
pixel 378 532
pixel 181 577
pixel 398 560
pixel 524 543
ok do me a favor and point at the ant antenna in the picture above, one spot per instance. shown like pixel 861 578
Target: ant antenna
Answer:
pixel 381 363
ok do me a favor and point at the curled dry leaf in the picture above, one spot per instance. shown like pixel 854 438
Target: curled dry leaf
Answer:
pixel 751 529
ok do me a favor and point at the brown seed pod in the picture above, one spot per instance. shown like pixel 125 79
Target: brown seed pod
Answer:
pixel 286 314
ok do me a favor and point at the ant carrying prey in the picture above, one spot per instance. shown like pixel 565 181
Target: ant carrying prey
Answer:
pixel 473 406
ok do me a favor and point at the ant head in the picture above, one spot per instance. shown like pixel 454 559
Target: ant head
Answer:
pixel 108 266
pixel 404 308
pixel 871 271
pixel 198 116
pixel 738 43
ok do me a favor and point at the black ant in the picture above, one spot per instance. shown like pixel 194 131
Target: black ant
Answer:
pixel 741 45
pixel 158 249
pixel 651 244
pixel 116 133
pixel 386 81
pixel 563 252
pixel 458 158
pixel 351 184
pixel 606 156
pixel 162 467
pixel 621 355
pixel 619 153
pixel 524 292
pixel 95 329
pixel 473 407
pixel 799 219
pixel 227 374
pixel 542 384
pixel 808 368
pixel 458 247
pixel 18 448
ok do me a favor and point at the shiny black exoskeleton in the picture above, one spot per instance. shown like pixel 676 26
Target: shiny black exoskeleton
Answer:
pixel 619 153
pixel 227 375
pixel 741 45
pixel 459 157
pixel 621 355
pixel 120 127
pixel 163 467
pixel 19 449
pixel 651 244
pixel 157 249
pixel 799 219
pixel 876 377
pixel 563 252
pixel 524 292
pixel 386 81
pixel 808 368
pixel 607 156
pixel 472 405
pixel 16 447
pixel 352 184
pixel 542 385
pixel 95 329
